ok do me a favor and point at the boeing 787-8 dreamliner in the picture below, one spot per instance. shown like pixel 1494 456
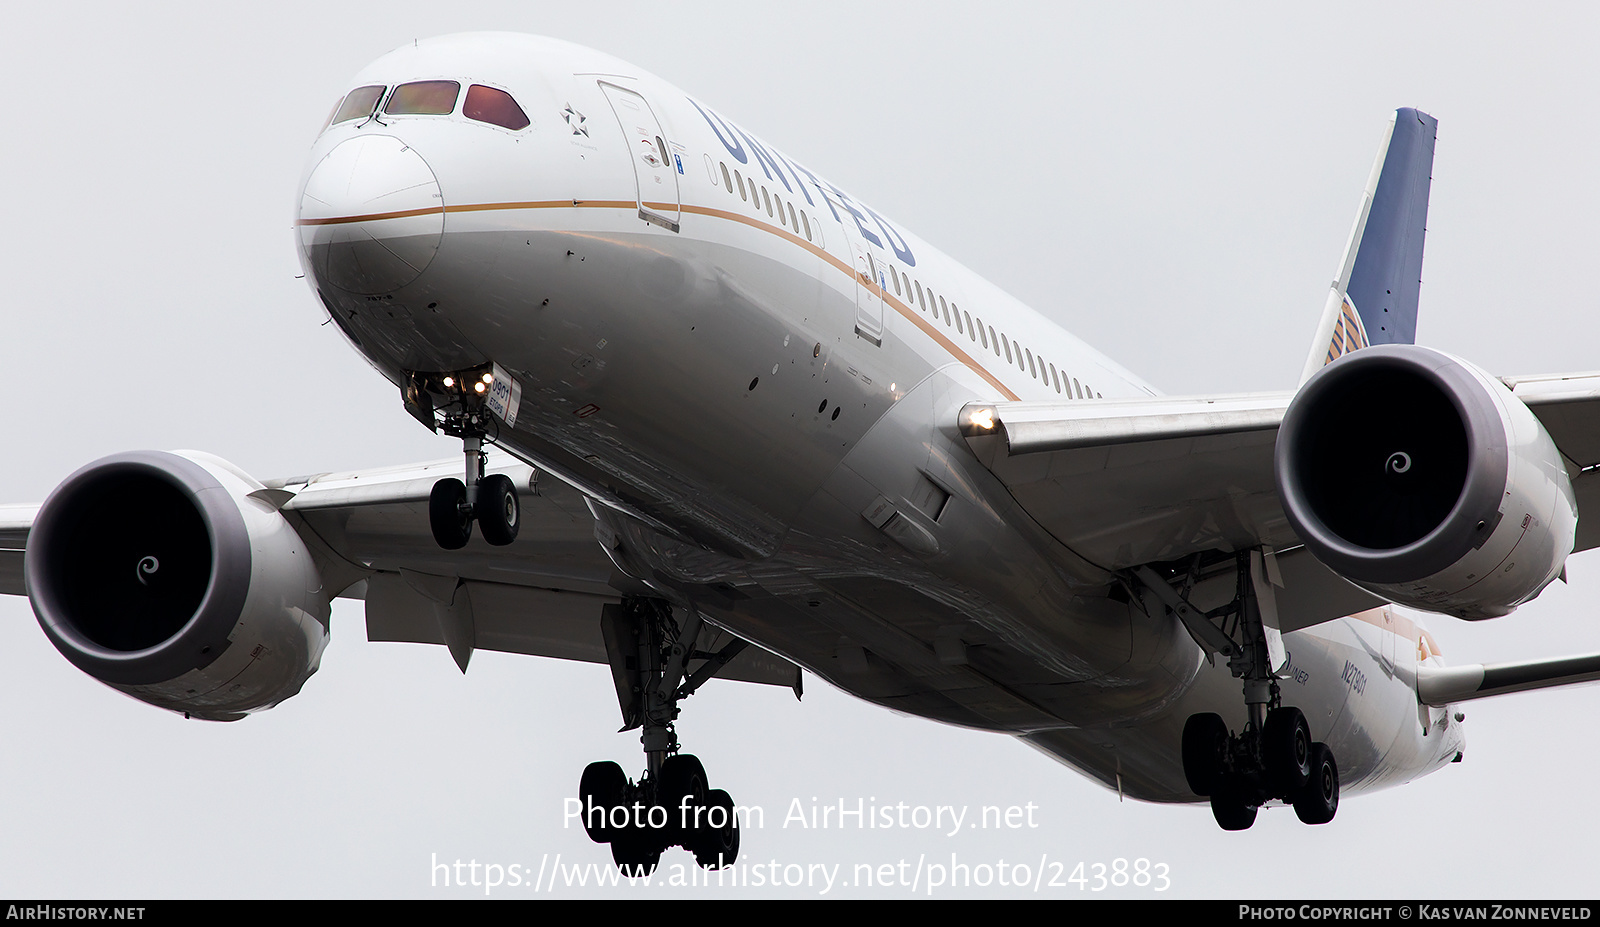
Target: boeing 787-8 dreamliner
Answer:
pixel 744 423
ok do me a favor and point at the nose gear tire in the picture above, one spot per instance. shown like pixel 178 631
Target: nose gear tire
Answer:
pixel 448 514
pixel 498 511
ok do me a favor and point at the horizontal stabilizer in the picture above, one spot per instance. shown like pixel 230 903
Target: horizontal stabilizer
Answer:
pixel 1444 685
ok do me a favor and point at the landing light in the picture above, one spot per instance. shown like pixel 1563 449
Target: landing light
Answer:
pixel 984 419
pixel 479 387
pixel 449 382
pixel 488 378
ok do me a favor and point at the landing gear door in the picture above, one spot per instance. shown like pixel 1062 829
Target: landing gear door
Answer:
pixel 868 271
pixel 653 165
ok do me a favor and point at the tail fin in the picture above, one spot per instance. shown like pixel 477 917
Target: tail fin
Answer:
pixel 1374 298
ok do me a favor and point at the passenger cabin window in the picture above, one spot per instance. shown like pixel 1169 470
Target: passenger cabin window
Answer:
pixel 360 104
pixel 423 98
pixel 486 104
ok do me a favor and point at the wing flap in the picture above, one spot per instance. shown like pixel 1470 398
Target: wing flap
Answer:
pixel 527 620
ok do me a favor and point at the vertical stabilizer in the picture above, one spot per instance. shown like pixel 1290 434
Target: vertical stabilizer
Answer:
pixel 1373 299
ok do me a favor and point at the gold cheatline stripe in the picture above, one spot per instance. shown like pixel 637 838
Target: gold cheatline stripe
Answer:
pixel 905 311
pixel 370 217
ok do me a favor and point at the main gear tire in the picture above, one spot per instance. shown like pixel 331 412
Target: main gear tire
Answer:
pixel 1318 801
pixel 1205 738
pixel 601 790
pixel 1286 752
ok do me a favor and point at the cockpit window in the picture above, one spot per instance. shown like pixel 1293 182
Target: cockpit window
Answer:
pixel 424 98
pixel 487 104
pixel 360 104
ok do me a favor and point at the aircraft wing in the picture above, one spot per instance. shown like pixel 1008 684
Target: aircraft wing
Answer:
pixel 1131 482
pixel 1568 405
pixel 15 520
pixel 369 534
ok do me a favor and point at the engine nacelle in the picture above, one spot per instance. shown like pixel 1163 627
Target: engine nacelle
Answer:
pixel 159 575
pixel 1419 477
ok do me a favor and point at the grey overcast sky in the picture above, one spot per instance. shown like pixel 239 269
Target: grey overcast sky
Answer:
pixel 1173 182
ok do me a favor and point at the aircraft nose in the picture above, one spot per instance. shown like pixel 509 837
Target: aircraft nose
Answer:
pixel 371 216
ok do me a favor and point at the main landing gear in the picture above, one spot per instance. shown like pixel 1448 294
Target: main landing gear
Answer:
pixel 1278 759
pixel 1274 756
pixel 673 803
pixel 458 405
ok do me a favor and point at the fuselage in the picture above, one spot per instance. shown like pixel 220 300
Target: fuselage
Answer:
pixel 756 379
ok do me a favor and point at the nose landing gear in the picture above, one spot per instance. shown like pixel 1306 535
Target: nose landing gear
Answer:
pixel 468 405
pixel 490 500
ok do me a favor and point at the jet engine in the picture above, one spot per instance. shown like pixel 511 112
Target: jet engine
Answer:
pixel 164 577
pixel 1419 477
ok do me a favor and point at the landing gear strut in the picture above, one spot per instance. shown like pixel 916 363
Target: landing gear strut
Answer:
pixel 458 405
pixel 1274 756
pixel 672 804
